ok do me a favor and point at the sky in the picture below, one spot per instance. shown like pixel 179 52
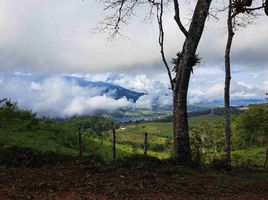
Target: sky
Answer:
pixel 52 39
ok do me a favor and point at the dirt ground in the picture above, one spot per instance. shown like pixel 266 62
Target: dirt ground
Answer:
pixel 87 180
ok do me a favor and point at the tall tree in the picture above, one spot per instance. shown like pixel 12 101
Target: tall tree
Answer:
pixel 227 83
pixel 235 8
pixel 186 58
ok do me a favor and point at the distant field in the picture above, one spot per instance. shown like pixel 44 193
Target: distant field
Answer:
pixel 159 136
pixel 164 129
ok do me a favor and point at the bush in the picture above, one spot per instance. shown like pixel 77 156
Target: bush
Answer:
pixel 22 156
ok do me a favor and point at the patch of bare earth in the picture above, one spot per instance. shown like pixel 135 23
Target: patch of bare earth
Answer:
pixel 81 180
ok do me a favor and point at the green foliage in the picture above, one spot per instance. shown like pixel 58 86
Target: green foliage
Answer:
pixel 10 113
pixel 251 127
pixel 207 138
pixel 22 128
pixel 94 124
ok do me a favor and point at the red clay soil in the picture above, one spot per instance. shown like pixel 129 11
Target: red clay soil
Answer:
pixel 81 180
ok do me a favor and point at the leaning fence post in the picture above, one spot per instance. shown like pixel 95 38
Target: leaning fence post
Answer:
pixel 145 143
pixel 80 143
pixel 266 158
pixel 114 145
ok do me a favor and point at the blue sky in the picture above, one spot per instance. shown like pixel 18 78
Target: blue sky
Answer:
pixel 50 39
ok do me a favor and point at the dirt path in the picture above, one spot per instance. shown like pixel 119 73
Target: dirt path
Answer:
pixel 89 181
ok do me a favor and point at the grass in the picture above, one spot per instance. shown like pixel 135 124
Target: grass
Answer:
pixel 129 141
pixel 41 140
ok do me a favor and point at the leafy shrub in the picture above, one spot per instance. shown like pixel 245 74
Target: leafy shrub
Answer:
pixel 22 156
pixel 251 127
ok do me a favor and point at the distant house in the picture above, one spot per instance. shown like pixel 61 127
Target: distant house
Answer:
pixel 243 108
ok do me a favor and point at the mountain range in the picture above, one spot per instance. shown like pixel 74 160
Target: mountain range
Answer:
pixel 109 89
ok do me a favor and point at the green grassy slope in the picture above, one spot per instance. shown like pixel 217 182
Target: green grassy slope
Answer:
pixel 39 139
pixel 63 140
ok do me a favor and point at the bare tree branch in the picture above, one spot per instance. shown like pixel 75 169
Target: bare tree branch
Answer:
pixel 161 40
pixel 124 9
pixel 178 19
pixel 253 9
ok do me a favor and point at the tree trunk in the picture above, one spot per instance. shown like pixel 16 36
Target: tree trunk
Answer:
pixel 181 148
pixel 266 158
pixel 227 86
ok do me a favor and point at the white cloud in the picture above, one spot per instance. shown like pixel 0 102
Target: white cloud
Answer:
pixel 82 105
pixel 22 74
pixel 60 96
pixel 57 36
pixel 144 102
pixel 36 86
pixel 254 75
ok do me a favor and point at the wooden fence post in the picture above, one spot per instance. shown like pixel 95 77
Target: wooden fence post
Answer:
pixel 80 143
pixel 266 158
pixel 114 144
pixel 145 143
